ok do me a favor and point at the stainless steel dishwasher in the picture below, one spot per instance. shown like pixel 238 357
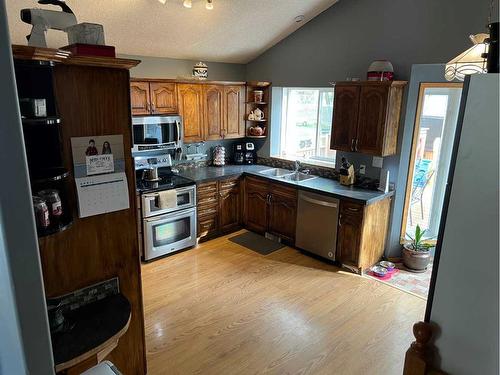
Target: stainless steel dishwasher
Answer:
pixel 317 221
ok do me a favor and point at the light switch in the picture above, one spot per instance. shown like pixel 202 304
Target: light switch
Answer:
pixel 377 162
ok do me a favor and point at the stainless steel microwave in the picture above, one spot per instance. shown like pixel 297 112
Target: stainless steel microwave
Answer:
pixel 152 133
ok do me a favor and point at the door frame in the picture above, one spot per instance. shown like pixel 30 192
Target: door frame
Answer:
pixel 416 131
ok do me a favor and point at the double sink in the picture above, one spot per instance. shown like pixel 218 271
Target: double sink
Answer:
pixel 286 174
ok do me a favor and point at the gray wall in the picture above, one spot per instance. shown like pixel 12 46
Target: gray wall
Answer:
pixel 163 67
pixel 466 294
pixel 343 40
pixel 24 334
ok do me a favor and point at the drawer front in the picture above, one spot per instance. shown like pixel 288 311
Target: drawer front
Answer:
pixel 207 226
pixel 229 183
pixel 207 200
pixel 207 188
pixel 209 210
pixel 252 183
pixel 277 189
pixel 351 208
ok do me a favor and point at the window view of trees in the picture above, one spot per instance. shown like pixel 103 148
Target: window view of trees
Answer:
pixel 306 124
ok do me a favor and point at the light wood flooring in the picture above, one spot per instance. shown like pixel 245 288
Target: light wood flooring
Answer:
pixel 223 309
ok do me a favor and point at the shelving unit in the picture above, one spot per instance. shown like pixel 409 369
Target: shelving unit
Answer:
pixel 251 105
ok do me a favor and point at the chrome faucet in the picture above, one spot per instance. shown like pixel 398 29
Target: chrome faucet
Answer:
pixel 297 166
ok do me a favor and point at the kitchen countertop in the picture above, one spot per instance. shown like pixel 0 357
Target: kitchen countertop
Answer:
pixel 316 185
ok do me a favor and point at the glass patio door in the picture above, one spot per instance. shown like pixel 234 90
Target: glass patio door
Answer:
pixel 435 124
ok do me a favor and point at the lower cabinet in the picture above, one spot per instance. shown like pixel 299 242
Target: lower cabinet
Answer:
pixel 219 207
pixel 270 208
pixel 362 233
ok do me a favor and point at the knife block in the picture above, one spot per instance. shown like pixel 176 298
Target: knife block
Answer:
pixel 348 179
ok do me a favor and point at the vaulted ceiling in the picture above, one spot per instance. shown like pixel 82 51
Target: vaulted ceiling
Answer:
pixel 234 31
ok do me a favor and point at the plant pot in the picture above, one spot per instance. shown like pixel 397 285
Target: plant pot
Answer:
pixel 416 261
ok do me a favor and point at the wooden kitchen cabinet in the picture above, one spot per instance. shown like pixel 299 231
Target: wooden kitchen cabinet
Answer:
pixel 270 208
pixel 140 98
pixel 153 97
pixel 163 97
pixel 234 107
pixel 213 112
pixel 362 233
pixel 366 116
pixel 219 207
pixel 191 109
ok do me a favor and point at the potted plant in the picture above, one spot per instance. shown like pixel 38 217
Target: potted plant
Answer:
pixel 416 252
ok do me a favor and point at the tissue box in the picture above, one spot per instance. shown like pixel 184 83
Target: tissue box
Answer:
pixel 86 33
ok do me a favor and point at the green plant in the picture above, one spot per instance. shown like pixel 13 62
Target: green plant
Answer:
pixel 417 243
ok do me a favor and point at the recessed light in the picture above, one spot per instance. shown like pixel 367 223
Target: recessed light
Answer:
pixel 299 18
pixel 209 5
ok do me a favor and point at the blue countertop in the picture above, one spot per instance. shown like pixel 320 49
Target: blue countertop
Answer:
pixel 316 185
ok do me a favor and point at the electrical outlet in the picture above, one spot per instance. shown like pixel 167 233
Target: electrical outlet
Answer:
pixel 377 162
pixel 362 169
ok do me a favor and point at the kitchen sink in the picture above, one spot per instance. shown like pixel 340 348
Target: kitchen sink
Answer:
pixel 298 176
pixel 276 172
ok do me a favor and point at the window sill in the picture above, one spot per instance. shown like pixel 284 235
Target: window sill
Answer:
pixel 306 162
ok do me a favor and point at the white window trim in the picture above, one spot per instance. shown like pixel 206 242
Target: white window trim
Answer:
pixel 283 127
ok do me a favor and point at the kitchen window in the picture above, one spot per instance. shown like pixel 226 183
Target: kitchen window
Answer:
pixel 306 124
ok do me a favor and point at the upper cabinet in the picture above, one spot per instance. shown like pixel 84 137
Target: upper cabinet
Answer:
pixel 366 117
pixel 190 99
pixel 153 97
pixel 234 107
pixel 210 110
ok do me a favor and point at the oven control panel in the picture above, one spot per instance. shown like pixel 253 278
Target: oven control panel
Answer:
pixel 144 162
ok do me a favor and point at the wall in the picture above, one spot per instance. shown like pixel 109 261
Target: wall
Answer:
pixel 343 40
pixel 163 67
pixel 465 301
pixel 24 333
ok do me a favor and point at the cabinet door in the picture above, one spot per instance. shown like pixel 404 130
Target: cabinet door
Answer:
pixel 349 233
pixel 229 207
pixel 140 98
pixel 283 213
pixel 212 112
pixel 345 117
pixel 371 119
pixel 163 98
pixel 234 105
pixel 207 226
pixel 190 108
pixel 256 205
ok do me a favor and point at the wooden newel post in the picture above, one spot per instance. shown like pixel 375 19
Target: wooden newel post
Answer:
pixel 418 357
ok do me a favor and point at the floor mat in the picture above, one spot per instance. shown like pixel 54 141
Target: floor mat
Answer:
pixel 256 242
pixel 411 282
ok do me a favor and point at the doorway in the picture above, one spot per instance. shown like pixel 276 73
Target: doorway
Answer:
pixel 433 135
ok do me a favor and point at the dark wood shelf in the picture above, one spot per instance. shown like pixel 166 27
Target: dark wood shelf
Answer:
pixel 49 175
pixel 64 223
pixel 41 121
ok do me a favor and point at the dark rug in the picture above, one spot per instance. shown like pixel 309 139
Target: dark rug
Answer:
pixel 256 242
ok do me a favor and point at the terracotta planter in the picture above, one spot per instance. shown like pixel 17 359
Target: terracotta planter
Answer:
pixel 416 261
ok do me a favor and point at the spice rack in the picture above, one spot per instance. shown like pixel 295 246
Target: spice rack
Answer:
pixel 251 104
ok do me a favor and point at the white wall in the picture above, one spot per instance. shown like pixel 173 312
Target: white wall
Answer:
pixel 24 334
pixel 466 296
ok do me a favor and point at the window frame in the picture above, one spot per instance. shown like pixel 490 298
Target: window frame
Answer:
pixel 413 151
pixel 284 124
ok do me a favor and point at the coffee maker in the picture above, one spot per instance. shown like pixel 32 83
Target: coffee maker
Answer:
pixel 250 154
pixel 239 153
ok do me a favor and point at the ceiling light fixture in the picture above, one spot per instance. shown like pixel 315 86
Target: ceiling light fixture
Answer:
pixel 209 5
pixel 188 3
pixel 471 61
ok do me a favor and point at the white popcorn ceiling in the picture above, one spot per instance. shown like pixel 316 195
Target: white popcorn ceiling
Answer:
pixel 235 31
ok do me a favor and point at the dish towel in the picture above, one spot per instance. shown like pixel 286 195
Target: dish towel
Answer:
pixel 167 199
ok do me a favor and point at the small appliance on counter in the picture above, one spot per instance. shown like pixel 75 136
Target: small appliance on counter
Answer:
pixel 239 153
pixel 168 207
pixel 250 154
pixel 219 156
pixel 347 176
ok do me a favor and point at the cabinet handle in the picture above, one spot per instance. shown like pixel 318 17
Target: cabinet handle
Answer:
pixel 352 144
pixel 353 209
pixel 148 107
pixel 340 220
pixel 356 145
pixel 153 108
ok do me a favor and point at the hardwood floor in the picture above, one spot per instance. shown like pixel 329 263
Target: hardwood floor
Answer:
pixel 223 309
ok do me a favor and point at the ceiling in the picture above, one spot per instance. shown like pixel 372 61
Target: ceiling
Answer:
pixel 235 31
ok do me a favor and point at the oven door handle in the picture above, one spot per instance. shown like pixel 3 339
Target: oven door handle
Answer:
pixel 165 218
